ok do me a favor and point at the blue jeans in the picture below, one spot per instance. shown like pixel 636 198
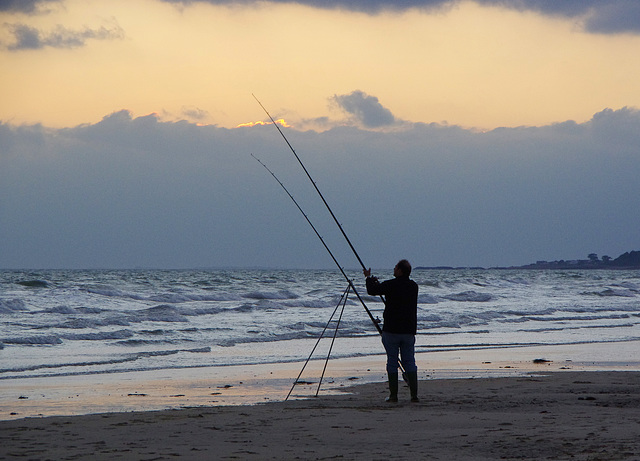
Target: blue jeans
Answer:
pixel 399 344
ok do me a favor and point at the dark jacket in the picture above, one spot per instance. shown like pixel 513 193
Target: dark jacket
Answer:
pixel 401 309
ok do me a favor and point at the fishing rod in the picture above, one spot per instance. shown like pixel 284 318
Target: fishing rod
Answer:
pixel 314 185
pixel 375 321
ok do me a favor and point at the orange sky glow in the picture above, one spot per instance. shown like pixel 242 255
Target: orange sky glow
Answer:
pixel 470 65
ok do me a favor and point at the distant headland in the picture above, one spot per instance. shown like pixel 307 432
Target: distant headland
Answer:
pixel 628 260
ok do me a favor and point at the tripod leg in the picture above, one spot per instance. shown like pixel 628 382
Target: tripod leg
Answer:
pixel 318 341
pixel 346 295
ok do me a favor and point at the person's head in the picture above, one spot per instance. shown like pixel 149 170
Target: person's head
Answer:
pixel 402 268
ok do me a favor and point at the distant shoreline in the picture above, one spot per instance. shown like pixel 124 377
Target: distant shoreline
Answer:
pixel 626 261
pixel 534 266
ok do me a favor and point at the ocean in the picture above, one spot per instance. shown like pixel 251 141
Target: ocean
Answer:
pixel 87 322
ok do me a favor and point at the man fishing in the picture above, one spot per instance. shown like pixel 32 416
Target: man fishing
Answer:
pixel 400 325
pixel 400 314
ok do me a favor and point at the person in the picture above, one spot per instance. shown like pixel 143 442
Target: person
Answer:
pixel 399 326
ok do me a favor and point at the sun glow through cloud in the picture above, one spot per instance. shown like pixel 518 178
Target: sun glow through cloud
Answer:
pixel 280 122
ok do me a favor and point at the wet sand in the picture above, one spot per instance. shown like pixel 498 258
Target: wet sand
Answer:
pixel 251 384
pixel 579 402
pixel 559 416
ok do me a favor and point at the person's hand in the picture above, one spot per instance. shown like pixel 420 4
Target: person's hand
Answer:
pixel 367 272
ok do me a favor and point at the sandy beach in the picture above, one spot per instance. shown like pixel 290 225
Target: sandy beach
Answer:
pixel 562 415
pixel 508 406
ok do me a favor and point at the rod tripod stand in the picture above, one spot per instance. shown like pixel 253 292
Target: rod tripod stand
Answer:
pixel 342 302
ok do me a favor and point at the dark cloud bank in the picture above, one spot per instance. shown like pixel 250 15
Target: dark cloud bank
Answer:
pixel 597 16
pixel 137 192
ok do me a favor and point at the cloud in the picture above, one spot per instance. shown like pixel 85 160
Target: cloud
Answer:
pixel 615 17
pixel 367 6
pixel 30 38
pixel 566 8
pixel 194 113
pixel 364 109
pixel 24 6
pixel 139 192
pixel 597 16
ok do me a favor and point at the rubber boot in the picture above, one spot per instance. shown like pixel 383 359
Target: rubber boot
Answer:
pixel 393 387
pixel 412 379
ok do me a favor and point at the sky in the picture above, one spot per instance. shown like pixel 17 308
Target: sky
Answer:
pixel 456 133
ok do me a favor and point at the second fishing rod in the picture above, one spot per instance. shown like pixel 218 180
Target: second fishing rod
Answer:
pixel 375 321
pixel 315 186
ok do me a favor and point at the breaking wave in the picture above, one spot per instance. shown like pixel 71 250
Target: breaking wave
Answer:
pixel 105 321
